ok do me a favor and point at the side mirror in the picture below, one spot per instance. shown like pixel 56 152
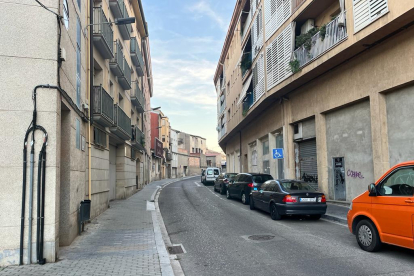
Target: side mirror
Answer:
pixel 372 189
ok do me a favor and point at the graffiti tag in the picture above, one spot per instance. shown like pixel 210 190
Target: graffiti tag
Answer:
pixel 310 178
pixel 354 174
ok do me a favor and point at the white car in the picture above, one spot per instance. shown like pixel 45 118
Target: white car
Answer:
pixel 209 175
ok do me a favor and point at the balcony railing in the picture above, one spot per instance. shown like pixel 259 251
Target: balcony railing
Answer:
pixel 136 57
pixel 222 108
pixel 335 34
pixel 138 138
pixel 125 79
pixel 137 98
pixel 122 124
pixel 246 63
pixel 119 10
pixel 222 131
pixel 296 4
pixel 103 36
pixel 103 107
pixel 246 25
pixel 117 63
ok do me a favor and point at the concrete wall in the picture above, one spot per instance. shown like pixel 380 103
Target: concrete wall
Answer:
pixel 348 135
pixel 400 124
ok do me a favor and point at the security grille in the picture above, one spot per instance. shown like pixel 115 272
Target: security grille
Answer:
pixel 308 161
pixel 99 137
pixel 278 55
pixel 276 13
pixel 367 11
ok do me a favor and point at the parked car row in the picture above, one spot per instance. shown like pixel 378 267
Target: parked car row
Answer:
pixel 277 197
pixel 383 214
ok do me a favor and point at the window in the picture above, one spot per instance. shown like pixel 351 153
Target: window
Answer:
pixel 163 122
pixel 262 178
pixel 265 147
pixel 163 138
pixel 99 137
pixel 66 14
pixel 266 167
pixel 399 183
pixel 77 134
pixel 79 4
pixel 296 186
pixel 111 88
pixel 78 62
pixel 120 100
pixel 367 11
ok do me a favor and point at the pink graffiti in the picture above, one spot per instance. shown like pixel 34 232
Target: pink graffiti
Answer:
pixel 354 174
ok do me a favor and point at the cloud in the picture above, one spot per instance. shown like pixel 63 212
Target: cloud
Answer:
pixel 203 8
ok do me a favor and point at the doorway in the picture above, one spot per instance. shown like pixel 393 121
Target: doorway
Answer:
pixel 112 172
pixel 339 178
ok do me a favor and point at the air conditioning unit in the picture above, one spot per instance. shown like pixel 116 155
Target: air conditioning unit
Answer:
pixel 297 131
pixel 307 26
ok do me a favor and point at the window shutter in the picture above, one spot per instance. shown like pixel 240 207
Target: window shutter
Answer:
pixel 278 57
pixel 253 6
pixel 258 79
pixel 257 34
pixel 278 11
pixel 367 11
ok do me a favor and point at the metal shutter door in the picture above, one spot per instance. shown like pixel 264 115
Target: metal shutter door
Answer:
pixel 308 161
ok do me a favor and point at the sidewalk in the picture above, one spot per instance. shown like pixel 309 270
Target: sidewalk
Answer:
pixel 124 240
pixel 337 212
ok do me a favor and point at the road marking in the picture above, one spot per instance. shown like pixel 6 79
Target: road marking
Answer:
pixel 197 184
pixel 334 222
pixel 150 206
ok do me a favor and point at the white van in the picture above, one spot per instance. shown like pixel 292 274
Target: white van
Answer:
pixel 209 175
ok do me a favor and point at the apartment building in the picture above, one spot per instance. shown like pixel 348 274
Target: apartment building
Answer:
pixel 166 141
pixel 91 102
pixel 195 148
pixel 157 148
pixel 328 81
pixel 174 152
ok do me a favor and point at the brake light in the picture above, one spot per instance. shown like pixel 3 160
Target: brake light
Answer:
pixel 323 199
pixel 289 199
pixel 225 181
pixel 250 185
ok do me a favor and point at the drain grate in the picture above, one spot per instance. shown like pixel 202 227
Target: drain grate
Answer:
pixel 175 249
pixel 260 237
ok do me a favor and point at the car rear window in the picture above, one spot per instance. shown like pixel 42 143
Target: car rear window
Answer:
pixel 231 176
pixel 296 186
pixel 261 178
pixel 216 172
pixel 209 172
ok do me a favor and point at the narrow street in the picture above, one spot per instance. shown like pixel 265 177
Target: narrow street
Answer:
pixel 214 232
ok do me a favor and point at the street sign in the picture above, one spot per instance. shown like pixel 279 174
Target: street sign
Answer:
pixel 277 153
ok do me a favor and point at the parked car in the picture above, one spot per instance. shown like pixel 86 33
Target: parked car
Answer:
pixel 385 213
pixel 220 185
pixel 243 184
pixel 288 197
pixel 209 175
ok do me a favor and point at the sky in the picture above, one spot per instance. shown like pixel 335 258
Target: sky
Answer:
pixel 186 38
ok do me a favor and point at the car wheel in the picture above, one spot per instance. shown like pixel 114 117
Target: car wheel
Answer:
pixel 367 236
pixel 244 199
pixel 315 217
pixel 273 212
pixel 252 204
pixel 228 194
pixel 221 190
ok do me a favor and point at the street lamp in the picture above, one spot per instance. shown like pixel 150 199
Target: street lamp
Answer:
pixel 153 109
pixel 118 21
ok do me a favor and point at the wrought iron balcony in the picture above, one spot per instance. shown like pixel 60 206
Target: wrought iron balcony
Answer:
pixel 136 57
pixel 103 36
pixel 137 98
pixel 322 43
pixel 122 124
pixel 117 63
pixel 103 107
pixel 125 79
pixel 138 138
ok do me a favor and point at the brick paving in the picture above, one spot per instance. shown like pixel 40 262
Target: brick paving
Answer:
pixel 121 241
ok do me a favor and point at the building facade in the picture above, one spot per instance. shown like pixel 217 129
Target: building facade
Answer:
pixel 174 152
pixel 314 78
pixel 91 102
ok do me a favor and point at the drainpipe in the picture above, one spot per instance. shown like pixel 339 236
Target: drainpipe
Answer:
pixel 90 82
pixel 241 156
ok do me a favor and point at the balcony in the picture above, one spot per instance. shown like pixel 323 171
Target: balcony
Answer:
pixel 296 4
pixel 103 36
pixel 117 63
pixel 136 57
pixel 246 63
pixel 137 98
pixel 320 43
pixel 103 107
pixel 122 124
pixel 138 138
pixel 169 156
pixel 119 10
pixel 125 79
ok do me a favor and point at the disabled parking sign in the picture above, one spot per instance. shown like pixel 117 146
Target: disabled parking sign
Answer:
pixel 277 153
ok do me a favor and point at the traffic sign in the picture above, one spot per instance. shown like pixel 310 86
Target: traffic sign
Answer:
pixel 277 153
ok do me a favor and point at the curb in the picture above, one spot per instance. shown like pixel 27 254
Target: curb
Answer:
pixel 335 219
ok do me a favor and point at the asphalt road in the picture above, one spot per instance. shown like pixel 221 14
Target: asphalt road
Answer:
pixel 214 230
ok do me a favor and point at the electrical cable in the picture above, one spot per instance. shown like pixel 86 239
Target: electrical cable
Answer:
pixel 46 8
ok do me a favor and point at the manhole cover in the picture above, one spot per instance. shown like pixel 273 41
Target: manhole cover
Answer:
pixel 175 249
pixel 261 237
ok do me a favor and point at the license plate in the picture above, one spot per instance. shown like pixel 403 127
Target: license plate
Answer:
pixel 313 199
pixel 255 189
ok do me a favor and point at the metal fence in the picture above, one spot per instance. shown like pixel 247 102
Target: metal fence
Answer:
pixel 103 103
pixel 103 27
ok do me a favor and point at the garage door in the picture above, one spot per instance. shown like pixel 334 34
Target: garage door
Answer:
pixel 308 162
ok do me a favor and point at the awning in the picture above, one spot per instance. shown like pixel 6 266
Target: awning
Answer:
pixel 245 88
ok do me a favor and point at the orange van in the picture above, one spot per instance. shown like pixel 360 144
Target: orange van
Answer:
pixel 385 213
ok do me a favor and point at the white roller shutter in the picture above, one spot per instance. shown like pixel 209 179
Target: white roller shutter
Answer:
pixel 367 11
pixel 258 79
pixel 278 55
pixel 257 34
pixel 276 13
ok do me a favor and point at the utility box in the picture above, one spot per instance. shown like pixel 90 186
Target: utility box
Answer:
pixel 85 210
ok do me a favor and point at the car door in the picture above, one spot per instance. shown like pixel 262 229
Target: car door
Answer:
pixel 232 185
pixel 259 197
pixel 393 207
pixel 216 173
